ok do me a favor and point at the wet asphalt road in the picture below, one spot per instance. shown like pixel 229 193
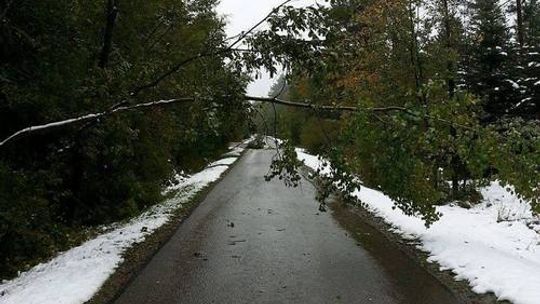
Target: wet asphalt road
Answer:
pixel 252 241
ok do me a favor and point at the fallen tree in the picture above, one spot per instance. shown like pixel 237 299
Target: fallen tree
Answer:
pixel 274 100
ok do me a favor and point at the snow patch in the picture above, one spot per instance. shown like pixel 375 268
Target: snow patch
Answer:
pixel 514 84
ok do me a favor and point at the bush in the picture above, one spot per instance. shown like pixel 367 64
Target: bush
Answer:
pixel 28 224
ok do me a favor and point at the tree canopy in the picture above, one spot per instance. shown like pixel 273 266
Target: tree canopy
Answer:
pixel 465 83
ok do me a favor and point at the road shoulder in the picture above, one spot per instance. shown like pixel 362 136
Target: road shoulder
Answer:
pixel 460 289
pixel 138 256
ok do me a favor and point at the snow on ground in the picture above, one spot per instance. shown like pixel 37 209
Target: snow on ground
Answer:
pixel 74 276
pixel 225 162
pixel 496 256
pixel 271 142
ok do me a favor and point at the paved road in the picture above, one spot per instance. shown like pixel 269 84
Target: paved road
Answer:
pixel 252 241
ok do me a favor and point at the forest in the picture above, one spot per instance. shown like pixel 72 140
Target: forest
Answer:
pixel 424 100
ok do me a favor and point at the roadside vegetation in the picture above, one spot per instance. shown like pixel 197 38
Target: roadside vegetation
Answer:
pixel 446 96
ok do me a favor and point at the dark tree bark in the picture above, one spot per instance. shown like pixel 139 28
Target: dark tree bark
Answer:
pixel 112 14
pixel 414 54
pixel 520 34
pixel 451 82
pixel 451 86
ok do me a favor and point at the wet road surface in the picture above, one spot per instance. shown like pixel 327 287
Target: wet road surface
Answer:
pixel 252 241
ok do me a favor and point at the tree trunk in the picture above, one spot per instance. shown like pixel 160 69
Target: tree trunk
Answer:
pixel 414 53
pixel 451 85
pixel 455 164
pixel 112 13
pixel 520 34
pixel 451 82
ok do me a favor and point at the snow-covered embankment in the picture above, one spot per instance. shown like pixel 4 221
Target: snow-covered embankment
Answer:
pixel 74 276
pixel 496 256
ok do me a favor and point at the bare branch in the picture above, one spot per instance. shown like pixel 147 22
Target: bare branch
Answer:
pixel 324 108
pixel 253 28
pixel 6 9
pixel 217 165
pixel 96 116
pixel 87 117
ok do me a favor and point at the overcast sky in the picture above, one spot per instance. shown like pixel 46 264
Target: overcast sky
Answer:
pixel 242 15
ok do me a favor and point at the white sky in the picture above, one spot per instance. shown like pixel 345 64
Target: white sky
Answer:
pixel 242 15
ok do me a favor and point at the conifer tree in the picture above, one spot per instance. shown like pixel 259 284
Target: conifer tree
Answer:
pixel 491 59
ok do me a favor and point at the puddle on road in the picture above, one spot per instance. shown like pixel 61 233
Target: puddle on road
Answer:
pixel 415 284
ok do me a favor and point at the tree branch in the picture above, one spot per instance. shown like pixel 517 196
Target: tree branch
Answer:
pixel 96 116
pixel 179 65
pixel 306 105
pixel 87 117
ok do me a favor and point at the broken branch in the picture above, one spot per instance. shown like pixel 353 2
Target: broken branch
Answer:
pixel 273 100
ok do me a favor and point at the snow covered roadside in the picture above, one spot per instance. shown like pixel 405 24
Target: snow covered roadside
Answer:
pixel 502 257
pixel 74 276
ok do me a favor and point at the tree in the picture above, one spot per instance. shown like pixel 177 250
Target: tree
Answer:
pixel 527 68
pixel 488 74
pixel 531 21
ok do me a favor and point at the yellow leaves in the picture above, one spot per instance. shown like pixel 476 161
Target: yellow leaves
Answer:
pixel 358 80
pixel 378 14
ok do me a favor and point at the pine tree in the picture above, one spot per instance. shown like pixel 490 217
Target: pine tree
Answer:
pixel 528 68
pixel 491 60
